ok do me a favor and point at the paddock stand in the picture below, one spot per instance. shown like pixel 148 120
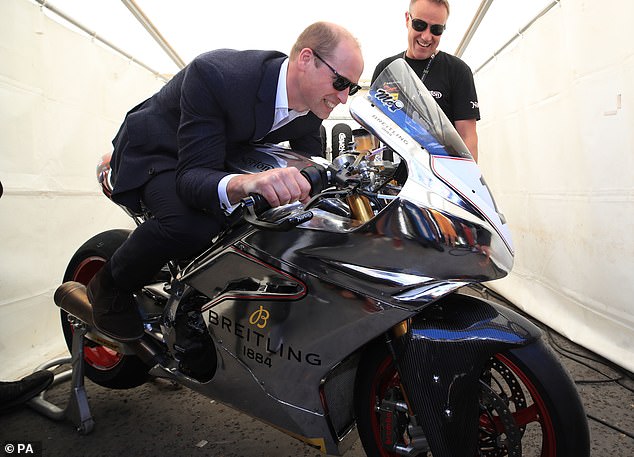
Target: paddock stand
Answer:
pixel 77 409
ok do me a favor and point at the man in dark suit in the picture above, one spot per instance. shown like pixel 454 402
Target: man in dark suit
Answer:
pixel 170 152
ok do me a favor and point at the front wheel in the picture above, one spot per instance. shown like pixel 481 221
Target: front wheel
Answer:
pixel 104 366
pixel 526 399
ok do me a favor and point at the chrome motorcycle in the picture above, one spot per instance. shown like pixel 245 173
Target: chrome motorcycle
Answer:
pixel 352 311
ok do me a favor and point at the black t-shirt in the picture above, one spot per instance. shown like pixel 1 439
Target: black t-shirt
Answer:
pixel 449 80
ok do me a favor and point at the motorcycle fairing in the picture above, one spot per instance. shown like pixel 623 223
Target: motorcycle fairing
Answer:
pixel 404 115
pixel 443 251
pixel 236 275
pixel 451 169
pixel 443 354
pixel 447 242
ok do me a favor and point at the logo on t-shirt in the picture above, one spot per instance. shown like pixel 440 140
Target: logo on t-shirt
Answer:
pixel 435 94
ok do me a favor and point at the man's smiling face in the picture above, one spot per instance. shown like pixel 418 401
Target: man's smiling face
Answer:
pixel 422 45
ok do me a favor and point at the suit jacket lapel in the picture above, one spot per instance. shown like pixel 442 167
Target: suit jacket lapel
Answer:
pixel 265 105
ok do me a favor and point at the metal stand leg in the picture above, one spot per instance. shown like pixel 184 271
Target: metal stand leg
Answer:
pixel 77 409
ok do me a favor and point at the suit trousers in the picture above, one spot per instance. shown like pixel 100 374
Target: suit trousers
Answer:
pixel 176 232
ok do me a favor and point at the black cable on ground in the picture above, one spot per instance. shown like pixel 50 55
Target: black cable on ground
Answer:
pixel 486 292
pixel 613 427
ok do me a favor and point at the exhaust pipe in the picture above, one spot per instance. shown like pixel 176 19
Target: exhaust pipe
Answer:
pixel 71 297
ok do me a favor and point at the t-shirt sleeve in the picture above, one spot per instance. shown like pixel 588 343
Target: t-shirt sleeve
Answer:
pixel 466 104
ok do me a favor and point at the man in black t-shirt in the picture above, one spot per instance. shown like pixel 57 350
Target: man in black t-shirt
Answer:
pixel 448 78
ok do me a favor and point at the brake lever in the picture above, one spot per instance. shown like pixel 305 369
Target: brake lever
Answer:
pixel 255 205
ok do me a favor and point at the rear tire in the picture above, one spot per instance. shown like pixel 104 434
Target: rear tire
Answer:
pixel 536 392
pixel 103 366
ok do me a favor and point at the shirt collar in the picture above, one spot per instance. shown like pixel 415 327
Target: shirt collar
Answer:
pixel 281 97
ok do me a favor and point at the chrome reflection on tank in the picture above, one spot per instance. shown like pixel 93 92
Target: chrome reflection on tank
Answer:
pixel 374 274
pixel 430 292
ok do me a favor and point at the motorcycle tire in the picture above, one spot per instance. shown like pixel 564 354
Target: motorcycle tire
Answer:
pixel 546 409
pixel 103 365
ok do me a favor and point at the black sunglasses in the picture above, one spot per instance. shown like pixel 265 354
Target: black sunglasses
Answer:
pixel 340 82
pixel 420 26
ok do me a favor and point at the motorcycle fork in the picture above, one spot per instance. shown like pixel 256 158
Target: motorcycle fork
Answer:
pixel 400 431
pixel 398 331
pixel 440 357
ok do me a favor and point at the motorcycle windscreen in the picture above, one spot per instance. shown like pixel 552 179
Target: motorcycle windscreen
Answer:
pixel 402 97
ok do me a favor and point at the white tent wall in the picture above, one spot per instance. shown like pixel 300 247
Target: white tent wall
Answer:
pixel 62 98
pixel 557 148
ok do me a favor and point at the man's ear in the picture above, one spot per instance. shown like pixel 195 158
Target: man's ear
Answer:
pixel 305 58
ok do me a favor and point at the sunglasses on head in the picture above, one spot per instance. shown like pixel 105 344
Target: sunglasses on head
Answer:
pixel 420 26
pixel 340 83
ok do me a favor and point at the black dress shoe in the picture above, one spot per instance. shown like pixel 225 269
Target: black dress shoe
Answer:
pixel 15 393
pixel 114 312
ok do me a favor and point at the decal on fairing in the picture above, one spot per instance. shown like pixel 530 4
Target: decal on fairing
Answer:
pixel 391 104
pixel 257 346
pixel 259 317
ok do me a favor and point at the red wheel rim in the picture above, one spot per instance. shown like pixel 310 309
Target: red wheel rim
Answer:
pixel 535 413
pixel 99 357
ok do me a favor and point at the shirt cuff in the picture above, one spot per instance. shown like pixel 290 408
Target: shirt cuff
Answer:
pixel 225 204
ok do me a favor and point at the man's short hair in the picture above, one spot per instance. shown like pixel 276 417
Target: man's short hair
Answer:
pixel 321 37
pixel 444 3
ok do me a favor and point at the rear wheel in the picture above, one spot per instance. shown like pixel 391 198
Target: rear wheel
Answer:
pixel 528 406
pixel 104 366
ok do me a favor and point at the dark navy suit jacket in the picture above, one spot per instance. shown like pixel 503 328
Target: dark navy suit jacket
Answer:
pixel 223 98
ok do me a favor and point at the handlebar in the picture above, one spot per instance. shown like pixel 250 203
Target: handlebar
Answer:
pixel 255 205
pixel 317 176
